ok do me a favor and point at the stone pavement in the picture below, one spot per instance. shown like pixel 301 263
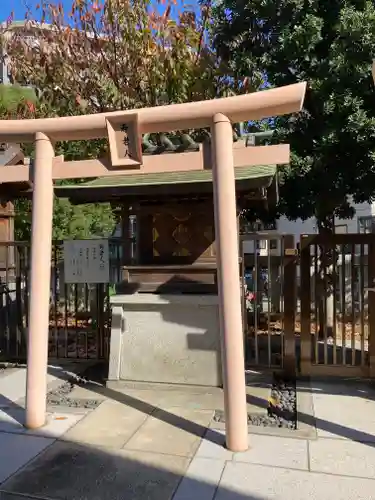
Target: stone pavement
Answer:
pixel 13 379
pixel 158 443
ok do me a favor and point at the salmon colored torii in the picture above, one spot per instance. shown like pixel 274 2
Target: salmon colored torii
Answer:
pixel 218 114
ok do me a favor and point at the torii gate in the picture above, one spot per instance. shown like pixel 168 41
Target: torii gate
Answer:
pixel 126 154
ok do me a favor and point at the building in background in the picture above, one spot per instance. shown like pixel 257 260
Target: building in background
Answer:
pixel 16 27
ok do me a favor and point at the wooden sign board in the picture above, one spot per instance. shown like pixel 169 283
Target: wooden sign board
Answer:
pixel 124 141
pixel 86 261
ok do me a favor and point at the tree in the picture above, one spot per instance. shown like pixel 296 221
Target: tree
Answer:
pixel 69 221
pixel 119 54
pixel 330 45
pixel 16 103
pixel 116 55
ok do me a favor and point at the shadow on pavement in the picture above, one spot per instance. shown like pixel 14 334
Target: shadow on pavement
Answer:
pixel 144 407
pixel 199 430
pixel 355 387
pixel 70 471
pixel 325 425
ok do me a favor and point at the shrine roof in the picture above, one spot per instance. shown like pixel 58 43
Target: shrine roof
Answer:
pixel 174 183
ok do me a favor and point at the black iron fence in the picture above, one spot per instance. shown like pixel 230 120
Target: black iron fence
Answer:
pixel 79 321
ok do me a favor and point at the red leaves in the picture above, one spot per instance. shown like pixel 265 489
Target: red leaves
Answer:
pixel 167 12
pixel 30 106
pixel 10 19
pixel 246 82
pixel 96 7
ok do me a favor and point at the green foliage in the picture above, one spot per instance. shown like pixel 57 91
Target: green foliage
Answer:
pixel 83 221
pixel 331 46
pixel 12 97
pixel 22 220
pixel 69 221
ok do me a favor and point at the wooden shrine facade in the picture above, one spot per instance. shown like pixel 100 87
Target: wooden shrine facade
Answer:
pixel 174 213
pixel 10 154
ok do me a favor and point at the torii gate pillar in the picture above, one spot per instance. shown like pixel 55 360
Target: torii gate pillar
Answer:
pixel 41 243
pixel 226 237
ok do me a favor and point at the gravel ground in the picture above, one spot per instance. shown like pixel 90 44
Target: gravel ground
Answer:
pixel 4 365
pixel 60 396
pixel 282 407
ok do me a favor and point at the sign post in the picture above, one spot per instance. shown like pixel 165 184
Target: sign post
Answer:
pixel 86 261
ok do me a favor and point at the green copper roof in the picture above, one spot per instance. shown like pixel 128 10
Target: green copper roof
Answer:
pixel 163 178
pixel 178 143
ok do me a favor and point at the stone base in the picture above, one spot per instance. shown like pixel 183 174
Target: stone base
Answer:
pixel 173 339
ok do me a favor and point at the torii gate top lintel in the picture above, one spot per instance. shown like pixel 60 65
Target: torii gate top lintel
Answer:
pixel 255 106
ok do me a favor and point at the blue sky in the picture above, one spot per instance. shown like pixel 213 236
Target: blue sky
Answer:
pixel 19 7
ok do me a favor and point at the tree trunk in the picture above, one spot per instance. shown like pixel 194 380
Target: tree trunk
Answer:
pixel 324 280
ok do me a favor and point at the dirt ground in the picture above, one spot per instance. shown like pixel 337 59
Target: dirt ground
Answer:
pixel 342 330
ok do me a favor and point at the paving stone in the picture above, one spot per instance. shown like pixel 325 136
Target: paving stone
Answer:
pixel 343 416
pixel 13 386
pixel 213 446
pixel 335 456
pixel 68 471
pixel 58 423
pixel 6 371
pixel 201 480
pixel 11 496
pixel 185 396
pixel 11 420
pixel 16 450
pixel 175 431
pixel 187 399
pixel 256 482
pixel 275 451
pixel 112 424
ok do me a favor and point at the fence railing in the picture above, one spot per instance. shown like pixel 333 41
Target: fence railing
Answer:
pixel 79 322
pixel 328 317
pixel 336 307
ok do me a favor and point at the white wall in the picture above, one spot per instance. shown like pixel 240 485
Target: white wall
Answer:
pixel 309 226
pixel 296 227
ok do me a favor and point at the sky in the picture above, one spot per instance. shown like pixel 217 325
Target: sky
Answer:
pixel 19 7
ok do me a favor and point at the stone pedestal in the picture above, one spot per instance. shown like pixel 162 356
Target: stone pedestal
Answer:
pixel 172 339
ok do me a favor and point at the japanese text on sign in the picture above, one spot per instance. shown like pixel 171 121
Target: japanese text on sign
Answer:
pixel 86 261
